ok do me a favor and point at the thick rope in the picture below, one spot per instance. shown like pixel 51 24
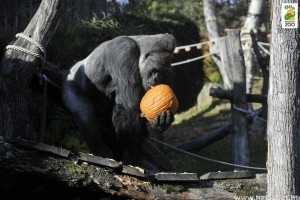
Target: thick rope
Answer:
pixel 263 48
pixel 264 43
pixel 38 45
pixel 191 60
pixel 21 35
pixel 198 45
pixel 205 158
pixel 249 111
pixel 25 51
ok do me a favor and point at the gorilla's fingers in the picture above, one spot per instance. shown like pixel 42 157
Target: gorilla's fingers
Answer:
pixel 163 118
pixel 156 121
pixel 170 117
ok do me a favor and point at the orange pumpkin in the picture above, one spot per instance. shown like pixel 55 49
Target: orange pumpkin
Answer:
pixel 157 100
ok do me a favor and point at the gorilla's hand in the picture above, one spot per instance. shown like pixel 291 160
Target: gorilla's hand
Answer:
pixel 163 121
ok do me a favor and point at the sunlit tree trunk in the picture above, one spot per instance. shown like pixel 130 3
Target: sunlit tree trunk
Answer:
pixel 252 22
pixel 284 111
pixel 212 27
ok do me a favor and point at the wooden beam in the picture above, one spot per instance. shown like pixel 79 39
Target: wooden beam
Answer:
pixel 228 94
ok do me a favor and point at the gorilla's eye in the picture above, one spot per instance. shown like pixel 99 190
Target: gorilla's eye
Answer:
pixel 148 54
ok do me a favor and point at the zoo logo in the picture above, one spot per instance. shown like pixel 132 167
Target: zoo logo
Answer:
pixel 289 15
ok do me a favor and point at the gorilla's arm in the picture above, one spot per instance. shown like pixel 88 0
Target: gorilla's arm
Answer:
pixel 123 66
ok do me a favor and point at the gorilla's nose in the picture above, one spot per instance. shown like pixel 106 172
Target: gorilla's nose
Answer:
pixel 157 79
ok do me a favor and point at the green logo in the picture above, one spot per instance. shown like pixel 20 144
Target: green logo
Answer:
pixel 290 13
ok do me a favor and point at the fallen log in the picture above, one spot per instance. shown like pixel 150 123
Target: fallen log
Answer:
pixel 206 140
pixel 27 173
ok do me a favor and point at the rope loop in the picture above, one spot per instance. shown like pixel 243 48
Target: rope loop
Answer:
pixel 25 51
pixel 21 35
pixel 249 111
pixel 37 44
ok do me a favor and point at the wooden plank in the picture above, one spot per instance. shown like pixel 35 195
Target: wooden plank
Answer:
pixel 135 171
pixel 97 160
pixel 226 175
pixel 26 144
pixel 173 177
pixel 240 149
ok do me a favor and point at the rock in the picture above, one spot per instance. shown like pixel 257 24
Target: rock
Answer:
pixel 204 98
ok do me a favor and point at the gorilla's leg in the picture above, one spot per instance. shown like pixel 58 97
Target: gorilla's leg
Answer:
pixel 86 118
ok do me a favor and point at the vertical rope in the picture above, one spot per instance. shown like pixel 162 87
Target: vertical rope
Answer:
pixel 44 108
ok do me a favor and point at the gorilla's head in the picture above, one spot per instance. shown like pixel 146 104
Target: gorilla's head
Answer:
pixel 155 58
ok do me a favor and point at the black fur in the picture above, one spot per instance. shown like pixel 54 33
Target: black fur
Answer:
pixel 104 90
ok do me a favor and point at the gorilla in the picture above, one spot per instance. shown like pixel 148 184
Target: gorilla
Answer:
pixel 104 90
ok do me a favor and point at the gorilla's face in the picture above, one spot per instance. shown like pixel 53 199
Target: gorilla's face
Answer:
pixel 154 68
pixel 155 58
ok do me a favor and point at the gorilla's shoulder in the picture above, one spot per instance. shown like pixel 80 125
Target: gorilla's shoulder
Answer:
pixel 122 38
pixel 121 41
pixel 163 41
pixel 114 46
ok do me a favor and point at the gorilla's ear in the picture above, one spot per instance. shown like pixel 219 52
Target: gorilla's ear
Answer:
pixel 153 43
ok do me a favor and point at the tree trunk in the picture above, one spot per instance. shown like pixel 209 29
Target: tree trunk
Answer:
pixel 17 69
pixel 264 66
pixel 212 27
pixel 253 21
pixel 284 111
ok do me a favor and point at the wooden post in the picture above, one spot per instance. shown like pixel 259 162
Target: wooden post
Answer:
pixel 240 150
pixel 263 64
pixel 226 63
